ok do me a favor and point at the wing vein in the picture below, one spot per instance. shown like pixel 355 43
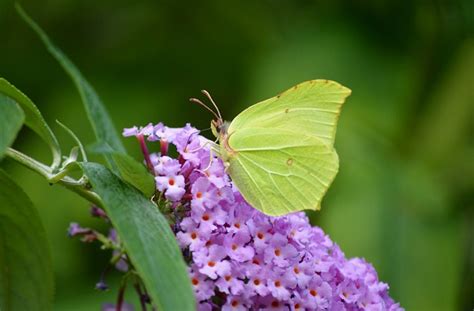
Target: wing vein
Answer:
pixel 281 193
pixel 254 182
pixel 310 171
pixel 277 148
pixel 299 191
pixel 263 168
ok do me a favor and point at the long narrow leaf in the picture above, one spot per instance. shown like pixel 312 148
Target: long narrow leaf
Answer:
pixel 147 237
pixel 26 274
pixel 102 124
pixel 33 118
pixel 11 120
pixel 129 169
pixel 135 173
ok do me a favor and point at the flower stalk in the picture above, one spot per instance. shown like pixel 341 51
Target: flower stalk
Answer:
pixel 80 186
pixel 146 153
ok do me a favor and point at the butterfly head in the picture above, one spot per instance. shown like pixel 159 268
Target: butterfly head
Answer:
pixel 219 127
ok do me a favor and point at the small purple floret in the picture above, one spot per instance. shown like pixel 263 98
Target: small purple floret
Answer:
pixel 75 229
pixel 112 307
pixel 101 285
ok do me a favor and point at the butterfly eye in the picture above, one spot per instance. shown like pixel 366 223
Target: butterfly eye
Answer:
pixel 218 125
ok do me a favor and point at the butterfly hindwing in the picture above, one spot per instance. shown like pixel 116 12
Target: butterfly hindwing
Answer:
pixel 280 171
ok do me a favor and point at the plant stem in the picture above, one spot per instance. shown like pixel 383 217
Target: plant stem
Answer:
pixel 77 186
pixel 141 295
pixel 120 297
pixel 30 163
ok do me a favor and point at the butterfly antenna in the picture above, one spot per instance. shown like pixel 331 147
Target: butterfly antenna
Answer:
pixel 206 93
pixel 200 103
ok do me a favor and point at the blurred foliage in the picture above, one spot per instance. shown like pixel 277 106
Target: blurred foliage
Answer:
pixel 404 196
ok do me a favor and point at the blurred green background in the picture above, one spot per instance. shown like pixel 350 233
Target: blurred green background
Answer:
pixel 404 196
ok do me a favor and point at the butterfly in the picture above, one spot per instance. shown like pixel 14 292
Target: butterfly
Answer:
pixel 280 152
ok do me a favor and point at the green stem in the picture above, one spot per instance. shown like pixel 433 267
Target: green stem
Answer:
pixel 109 244
pixel 77 186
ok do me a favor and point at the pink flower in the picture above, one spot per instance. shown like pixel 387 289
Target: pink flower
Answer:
pixel 236 247
pixel 213 264
pixel 203 288
pixel 279 252
pixel 172 186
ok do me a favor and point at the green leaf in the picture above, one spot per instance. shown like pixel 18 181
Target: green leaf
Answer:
pixel 11 120
pixel 147 237
pixel 26 274
pixel 33 118
pixel 130 170
pixel 101 122
pixel 135 173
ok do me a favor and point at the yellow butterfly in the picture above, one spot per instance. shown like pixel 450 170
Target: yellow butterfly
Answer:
pixel 280 152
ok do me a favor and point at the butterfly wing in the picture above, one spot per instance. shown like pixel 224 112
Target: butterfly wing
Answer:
pixel 280 171
pixel 310 108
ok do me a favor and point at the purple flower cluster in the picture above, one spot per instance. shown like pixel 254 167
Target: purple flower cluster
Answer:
pixel 241 259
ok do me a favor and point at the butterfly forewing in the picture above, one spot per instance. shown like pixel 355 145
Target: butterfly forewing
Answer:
pixel 309 108
pixel 281 171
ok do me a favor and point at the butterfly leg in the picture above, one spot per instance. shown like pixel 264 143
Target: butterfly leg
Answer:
pixel 211 157
pixel 214 146
pixel 226 166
